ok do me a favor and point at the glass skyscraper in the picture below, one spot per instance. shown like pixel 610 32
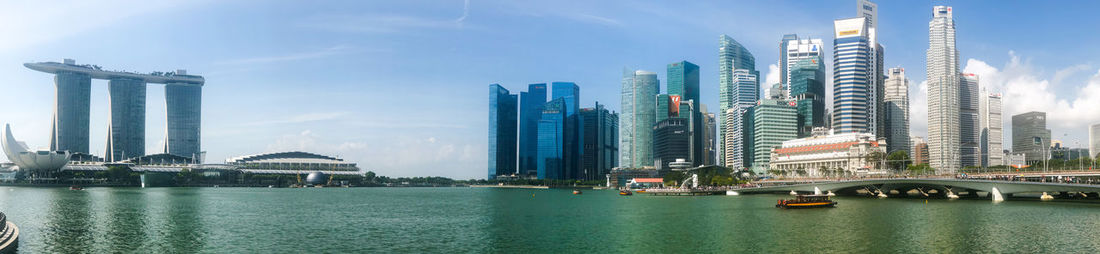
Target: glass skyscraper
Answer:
pixel 738 126
pixel 897 111
pixel 531 103
pixel 683 80
pixel 969 122
pixel 72 112
pixel 853 83
pixel 126 128
pixel 502 131
pixel 570 93
pixel 734 88
pixel 601 142
pixel 639 96
pixel 992 136
pixel 1030 136
pixel 183 103
pixel 807 87
pixel 550 158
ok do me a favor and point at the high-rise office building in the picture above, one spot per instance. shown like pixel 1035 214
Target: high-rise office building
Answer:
pixel 502 131
pixel 671 141
pixel 992 134
pixel 1094 140
pixel 737 85
pixel 683 80
pixel 943 92
pixel 126 128
pixel 969 123
pixel 1030 136
pixel 920 153
pixel 853 82
pixel 897 111
pixel 183 103
pixel 794 51
pixel 738 126
pixel 550 157
pixel 710 137
pixel 601 142
pixel 530 110
pixel 571 94
pixel 807 88
pixel 639 95
pixel 775 121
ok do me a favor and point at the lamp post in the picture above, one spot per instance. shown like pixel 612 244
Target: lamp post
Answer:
pixel 1039 141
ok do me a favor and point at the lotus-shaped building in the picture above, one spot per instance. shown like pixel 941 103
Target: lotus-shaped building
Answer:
pixel 32 161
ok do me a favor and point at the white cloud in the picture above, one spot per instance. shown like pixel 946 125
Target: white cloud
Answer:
pixel 331 51
pixel 1024 91
pixel 918 110
pixel 772 77
pixel 304 118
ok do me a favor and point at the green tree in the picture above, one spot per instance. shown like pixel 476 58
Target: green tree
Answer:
pixel 898 160
pixel 874 157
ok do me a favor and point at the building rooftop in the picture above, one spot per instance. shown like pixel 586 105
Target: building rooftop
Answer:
pixel 96 72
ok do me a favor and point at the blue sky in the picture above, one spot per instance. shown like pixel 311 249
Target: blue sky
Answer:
pixel 401 86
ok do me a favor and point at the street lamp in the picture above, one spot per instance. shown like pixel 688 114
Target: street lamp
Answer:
pixel 1039 141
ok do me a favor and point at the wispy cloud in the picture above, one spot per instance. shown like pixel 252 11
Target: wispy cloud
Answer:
pixel 385 22
pixel 593 19
pixel 303 118
pixel 465 12
pixel 28 23
pixel 330 51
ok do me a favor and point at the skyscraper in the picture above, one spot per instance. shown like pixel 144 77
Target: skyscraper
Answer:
pixel 72 113
pixel 775 121
pixel 969 122
pixel 601 142
pixel 671 141
pixel 734 88
pixel 1030 136
pixel 126 128
pixel 531 103
pixel 1094 141
pixel 710 137
pixel 738 126
pixel 683 80
pixel 853 82
pixel 897 111
pixel 502 131
pixel 183 103
pixel 992 134
pixel 550 157
pixel 943 92
pixel 794 51
pixel 639 95
pixel 570 94
pixel 807 88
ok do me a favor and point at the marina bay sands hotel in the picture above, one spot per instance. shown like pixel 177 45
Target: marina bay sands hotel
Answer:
pixel 126 124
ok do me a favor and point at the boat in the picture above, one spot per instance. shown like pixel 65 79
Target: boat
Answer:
pixel 640 191
pixel 576 192
pixel 806 201
pixel 625 193
pixel 76 187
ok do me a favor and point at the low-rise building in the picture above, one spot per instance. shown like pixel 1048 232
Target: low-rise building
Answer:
pixel 819 155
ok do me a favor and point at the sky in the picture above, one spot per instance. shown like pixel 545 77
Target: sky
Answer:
pixel 401 87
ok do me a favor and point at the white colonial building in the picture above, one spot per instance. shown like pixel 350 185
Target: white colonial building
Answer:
pixel 832 152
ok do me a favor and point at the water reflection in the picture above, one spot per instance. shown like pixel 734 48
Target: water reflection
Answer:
pixel 186 233
pixel 125 222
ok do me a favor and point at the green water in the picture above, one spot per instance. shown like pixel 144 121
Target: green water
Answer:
pixel 464 220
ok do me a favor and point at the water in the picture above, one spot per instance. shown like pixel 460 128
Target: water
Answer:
pixel 463 220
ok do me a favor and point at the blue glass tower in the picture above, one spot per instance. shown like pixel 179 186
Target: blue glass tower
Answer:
pixel 570 94
pixel 852 77
pixel 550 157
pixel 531 103
pixel 683 80
pixel 502 131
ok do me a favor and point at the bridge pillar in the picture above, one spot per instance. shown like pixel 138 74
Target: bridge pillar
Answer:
pixel 996 195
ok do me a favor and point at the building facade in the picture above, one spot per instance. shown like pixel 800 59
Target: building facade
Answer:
pixel 897 111
pixel 639 95
pixel 683 80
pixel 550 157
pixel 854 86
pixel 969 122
pixel 1094 141
pixel 710 138
pixel 1030 136
pixel 570 93
pixel 738 123
pixel 737 85
pixel 601 142
pixel 502 131
pixel 530 109
pixel 943 92
pixel 992 133
pixel 775 121
pixel 126 127
pixel 671 141
pixel 807 87
pixel 828 155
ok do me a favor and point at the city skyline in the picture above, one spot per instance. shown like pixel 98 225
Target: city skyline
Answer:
pixel 389 121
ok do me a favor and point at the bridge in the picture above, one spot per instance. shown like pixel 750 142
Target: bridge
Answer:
pixel 997 190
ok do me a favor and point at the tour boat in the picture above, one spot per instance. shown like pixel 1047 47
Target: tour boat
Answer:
pixel 576 192
pixel 625 193
pixel 806 201
pixel 75 187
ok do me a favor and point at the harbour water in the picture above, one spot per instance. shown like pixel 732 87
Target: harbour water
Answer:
pixel 464 220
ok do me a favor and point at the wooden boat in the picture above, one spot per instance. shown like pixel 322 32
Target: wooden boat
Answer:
pixel 625 193
pixel 806 201
pixel 576 192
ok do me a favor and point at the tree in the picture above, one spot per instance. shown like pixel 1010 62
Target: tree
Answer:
pixel 369 176
pixel 921 169
pixel 874 157
pixel 898 160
